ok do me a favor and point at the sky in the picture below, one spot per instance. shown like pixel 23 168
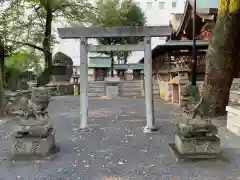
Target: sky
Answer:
pixel 155 16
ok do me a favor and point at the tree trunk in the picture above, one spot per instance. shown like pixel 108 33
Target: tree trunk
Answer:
pixel 46 75
pixel 47 38
pixel 112 64
pixel 222 60
pixel 2 92
pixel 112 58
pixel 125 60
pixel 125 57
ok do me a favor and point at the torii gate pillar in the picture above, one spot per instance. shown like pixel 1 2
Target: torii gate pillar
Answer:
pixel 148 86
pixel 83 84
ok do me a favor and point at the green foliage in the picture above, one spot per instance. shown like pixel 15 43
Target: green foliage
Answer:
pixel 113 13
pixel 21 61
pixel 26 25
pixel 23 22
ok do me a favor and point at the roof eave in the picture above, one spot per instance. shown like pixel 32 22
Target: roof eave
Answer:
pixel 184 18
pixel 201 12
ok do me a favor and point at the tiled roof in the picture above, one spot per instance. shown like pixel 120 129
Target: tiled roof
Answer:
pixel 99 62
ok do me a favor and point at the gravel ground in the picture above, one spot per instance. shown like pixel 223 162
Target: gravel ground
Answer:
pixel 116 148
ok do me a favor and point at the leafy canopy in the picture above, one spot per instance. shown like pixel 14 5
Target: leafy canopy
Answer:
pixel 23 22
pixel 22 61
pixel 113 13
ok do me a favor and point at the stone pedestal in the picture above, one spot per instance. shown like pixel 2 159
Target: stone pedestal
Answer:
pixel 206 147
pixel 31 147
pixel 196 137
pixel 197 147
pixel 34 137
pixel 233 116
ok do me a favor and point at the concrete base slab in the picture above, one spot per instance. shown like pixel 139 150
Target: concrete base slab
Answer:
pixel 32 146
pixel 147 130
pixel 84 130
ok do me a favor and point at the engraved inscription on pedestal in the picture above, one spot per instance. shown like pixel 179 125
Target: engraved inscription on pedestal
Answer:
pixel 35 147
pixel 19 147
pixel 197 145
pixel 34 136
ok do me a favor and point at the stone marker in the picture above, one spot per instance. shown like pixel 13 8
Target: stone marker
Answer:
pixel 112 86
pixel 196 136
pixel 34 137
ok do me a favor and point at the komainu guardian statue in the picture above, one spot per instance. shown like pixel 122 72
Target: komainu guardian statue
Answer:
pixel 34 136
pixel 196 135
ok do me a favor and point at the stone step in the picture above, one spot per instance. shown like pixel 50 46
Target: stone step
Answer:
pixel 96 90
pixel 95 94
pixel 128 89
pixel 131 84
pixel 93 86
pixel 130 94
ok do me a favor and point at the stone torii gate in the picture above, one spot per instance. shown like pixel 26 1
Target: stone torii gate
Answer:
pixel 83 33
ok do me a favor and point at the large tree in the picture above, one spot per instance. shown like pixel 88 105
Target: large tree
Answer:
pixel 1 79
pixel 113 13
pixel 222 63
pixel 29 23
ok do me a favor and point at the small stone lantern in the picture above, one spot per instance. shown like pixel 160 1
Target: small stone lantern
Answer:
pixel 75 81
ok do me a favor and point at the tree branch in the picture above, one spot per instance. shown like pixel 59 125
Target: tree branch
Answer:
pixel 40 19
pixel 73 5
pixel 27 44
pixel 37 8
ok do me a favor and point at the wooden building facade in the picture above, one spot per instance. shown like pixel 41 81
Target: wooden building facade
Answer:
pixel 99 69
pixel 172 61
